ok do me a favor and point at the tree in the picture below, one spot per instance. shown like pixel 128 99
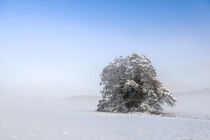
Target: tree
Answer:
pixel 130 84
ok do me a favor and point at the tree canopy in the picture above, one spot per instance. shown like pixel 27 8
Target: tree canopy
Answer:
pixel 130 84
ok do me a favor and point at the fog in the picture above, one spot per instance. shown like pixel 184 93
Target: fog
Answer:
pixel 53 52
pixel 69 76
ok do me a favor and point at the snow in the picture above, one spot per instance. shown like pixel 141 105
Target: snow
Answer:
pixel 125 89
pixel 75 118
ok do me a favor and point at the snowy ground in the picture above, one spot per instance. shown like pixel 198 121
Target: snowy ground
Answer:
pixel 41 118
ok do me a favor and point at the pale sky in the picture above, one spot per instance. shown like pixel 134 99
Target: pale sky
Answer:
pixel 61 47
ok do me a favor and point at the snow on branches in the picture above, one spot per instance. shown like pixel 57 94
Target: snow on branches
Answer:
pixel 130 84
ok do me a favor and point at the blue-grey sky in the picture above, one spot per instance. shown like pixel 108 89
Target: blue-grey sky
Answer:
pixel 60 47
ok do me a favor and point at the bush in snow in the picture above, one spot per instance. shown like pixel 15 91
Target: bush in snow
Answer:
pixel 130 84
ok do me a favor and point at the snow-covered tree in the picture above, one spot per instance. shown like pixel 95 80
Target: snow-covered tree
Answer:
pixel 130 84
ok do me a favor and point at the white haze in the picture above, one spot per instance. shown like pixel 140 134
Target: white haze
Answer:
pixel 75 118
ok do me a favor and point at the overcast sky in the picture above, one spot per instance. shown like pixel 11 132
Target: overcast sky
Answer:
pixel 60 47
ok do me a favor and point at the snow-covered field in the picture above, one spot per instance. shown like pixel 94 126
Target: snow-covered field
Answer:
pixel 74 118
